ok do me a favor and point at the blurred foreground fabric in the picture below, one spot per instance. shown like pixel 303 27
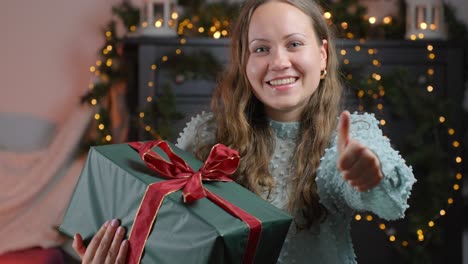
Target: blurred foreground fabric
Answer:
pixel 39 167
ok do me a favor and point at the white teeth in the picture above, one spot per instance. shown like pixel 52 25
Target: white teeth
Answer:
pixel 283 81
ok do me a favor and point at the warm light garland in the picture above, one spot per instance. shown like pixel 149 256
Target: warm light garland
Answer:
pixel 150 84
pixel 422 231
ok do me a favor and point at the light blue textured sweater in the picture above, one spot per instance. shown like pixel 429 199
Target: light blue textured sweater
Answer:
pixel 329 241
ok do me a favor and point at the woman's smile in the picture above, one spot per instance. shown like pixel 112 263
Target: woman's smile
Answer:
pixel 282 84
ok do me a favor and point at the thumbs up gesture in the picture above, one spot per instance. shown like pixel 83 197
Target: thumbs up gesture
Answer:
pixel 359 166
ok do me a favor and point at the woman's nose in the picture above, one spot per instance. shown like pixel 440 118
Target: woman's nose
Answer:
pixel 279 60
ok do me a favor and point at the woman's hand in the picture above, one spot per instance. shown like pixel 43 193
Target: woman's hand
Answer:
pixel 359 166
pixel 107 246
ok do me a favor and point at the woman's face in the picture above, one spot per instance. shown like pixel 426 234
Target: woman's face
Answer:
pixel 285 59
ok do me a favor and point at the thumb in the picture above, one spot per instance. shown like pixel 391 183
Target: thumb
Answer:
pixel 343 131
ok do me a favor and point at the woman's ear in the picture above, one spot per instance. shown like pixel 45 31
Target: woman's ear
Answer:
pixel 324 54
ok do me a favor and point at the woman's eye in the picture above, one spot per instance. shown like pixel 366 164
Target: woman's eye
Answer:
pixel 260 50
pixel 295 44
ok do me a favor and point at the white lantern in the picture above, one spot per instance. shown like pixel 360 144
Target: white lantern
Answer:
pixel 159 18
pixel 425 19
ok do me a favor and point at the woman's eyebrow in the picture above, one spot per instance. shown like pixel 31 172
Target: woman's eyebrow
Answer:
pixel 285 37
pixel 258 39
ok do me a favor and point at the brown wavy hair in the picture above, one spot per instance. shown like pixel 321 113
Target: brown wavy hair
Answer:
pixel 243 125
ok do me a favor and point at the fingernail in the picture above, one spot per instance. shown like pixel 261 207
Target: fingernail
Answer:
pixel 106 223
pixel 114 223
pixel 120 230
pixel 124 243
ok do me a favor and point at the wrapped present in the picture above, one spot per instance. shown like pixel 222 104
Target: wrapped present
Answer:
pixel 176 208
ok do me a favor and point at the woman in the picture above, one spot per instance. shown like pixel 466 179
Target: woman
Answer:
pixel 278 105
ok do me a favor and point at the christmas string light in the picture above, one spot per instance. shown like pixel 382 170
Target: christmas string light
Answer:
pixel 218 29
pixel 423 231
pixel 375 90
pixel 150 85
pixel 100 84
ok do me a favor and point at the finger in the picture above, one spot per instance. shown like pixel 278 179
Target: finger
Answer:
pixel 103 249
pixel 365 178
pixel 368 185
pixel 360 182
pixel 366 165
pixel 115 246
pixel 95 242
pixel 78 245
pixel 354 180
pixel 343 131
pixel 122 256
pixel 359 186
pixel 350 155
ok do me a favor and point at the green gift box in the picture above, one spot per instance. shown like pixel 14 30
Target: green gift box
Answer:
pixel 113 183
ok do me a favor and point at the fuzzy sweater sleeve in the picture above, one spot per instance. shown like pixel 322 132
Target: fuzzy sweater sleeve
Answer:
pixel 389 198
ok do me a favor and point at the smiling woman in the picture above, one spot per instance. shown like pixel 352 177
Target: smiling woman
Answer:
pixel 282 67
pixel 278 105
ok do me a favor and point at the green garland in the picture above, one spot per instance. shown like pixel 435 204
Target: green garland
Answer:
pixel 351 13
pixel 206 16
pixel 109 71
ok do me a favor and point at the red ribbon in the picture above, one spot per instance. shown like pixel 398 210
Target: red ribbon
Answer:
pixel 221 162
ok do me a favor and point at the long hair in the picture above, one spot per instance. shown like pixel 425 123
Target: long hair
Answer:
pixel 242 124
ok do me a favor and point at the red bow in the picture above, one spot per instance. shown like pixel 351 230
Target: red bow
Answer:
pixel 221 162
